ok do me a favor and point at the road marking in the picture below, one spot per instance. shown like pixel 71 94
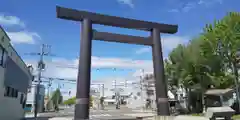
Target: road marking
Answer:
pixel 100 115
pixel 139 114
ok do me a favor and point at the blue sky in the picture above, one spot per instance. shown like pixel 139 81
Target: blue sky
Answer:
pixel 30 23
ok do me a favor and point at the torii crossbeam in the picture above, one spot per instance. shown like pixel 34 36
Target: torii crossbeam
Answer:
pixel 87 34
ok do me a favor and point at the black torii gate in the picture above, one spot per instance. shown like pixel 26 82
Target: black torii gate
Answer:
pixel 87 34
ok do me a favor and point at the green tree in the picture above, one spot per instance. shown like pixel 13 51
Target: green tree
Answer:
pixel 207 59
pixel 56 98
pixel 72 101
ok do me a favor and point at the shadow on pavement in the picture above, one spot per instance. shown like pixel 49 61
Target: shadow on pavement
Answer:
pixel 38 118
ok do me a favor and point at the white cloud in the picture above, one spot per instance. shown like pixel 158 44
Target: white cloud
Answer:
pixel 19 36
pixel 143 50
pixel 168 43
pixel 23 37
pixel 127 2
pixel 186 6
pixel 63 68
pixel 174 10
pixel 10 20
pixel 67 69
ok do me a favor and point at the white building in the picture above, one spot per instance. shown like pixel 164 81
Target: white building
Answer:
pixel 142 90
pixel 15 78
pixel 31 98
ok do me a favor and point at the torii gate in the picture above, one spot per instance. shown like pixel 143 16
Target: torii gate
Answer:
pixel 88 34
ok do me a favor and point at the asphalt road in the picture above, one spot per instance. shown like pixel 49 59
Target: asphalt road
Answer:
pixel 108 113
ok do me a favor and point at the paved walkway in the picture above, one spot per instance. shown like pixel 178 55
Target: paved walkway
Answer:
pixel 181 117
pixel 140 114
pixel 185 117
pixel 148 118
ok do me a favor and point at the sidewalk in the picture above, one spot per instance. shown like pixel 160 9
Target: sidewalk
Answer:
pixel 61 118
pixel 144 111
pixel 141 115
pixel 144 117
pixel 185 117
pixel 38 118
pixel 181 117
pixel 30 115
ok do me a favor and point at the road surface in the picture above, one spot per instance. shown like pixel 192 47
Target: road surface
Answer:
pixel 108 113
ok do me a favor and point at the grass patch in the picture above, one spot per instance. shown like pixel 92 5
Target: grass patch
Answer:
pixel 236 117
pixel 197 114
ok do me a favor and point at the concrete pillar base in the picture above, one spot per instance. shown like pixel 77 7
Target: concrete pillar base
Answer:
pixel 163 118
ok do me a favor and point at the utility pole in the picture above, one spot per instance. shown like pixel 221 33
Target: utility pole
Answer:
pixel 49 85
pixel 141 84
pixel 103 87
pixel 126 85
pixel 115 88
pixel 45 50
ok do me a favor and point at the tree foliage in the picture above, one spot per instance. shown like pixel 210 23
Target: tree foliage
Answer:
pixel 209 59
pixel 56 98
pixel 72 101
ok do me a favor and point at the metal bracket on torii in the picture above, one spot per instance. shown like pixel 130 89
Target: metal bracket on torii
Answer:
pixel 88 34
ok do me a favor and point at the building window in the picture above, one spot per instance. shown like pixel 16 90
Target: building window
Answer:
pixel 7 91
pixel 2 39
pixel 22 99
pixel 3 56
pixel 11 92
pixel 15 94
pixel 24 103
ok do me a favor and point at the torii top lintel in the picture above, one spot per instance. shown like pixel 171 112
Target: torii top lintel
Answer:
pixel 76 15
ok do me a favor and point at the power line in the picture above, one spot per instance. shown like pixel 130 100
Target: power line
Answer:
pixel 45 51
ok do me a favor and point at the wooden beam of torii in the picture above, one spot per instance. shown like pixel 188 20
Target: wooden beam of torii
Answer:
pixel 112 37
pixel 87 34
pixel 76 15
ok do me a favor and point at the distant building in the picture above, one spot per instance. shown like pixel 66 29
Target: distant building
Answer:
pixel 144 89
pixel 31 98
pixel 15 79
